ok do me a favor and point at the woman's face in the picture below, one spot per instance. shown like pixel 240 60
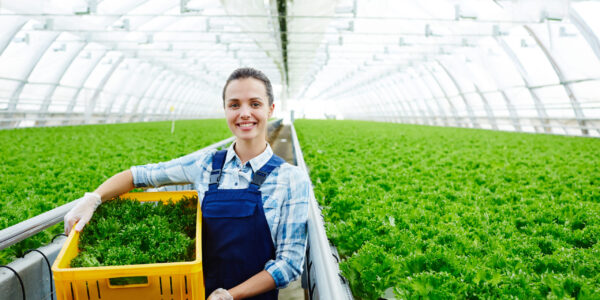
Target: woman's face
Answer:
pixel 247 108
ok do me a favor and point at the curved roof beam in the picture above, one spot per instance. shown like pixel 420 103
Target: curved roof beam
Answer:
pixel 148 90
pixel 382 103
pixel 180 93
pixel 121 87
pixel 14 99
pixel 587 32
pixel 539 106
pixel 486 106
pixel 514 117
pixel 441 109
pixel 567 86
pixel 138 90
pixel 411 101
pixel 185 101
pixel 48 97
pixel 385 89
pixel 457 119
pixel 461 94
pixel 11 35
pixel 89 110
pixel 396 85
pixel 168 95
pixel 85 77
pixel 417 95
pixel 165 86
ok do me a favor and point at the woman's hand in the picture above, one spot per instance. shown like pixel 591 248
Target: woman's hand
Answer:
pixel 86 205
pixel 82 212
pixel 220 294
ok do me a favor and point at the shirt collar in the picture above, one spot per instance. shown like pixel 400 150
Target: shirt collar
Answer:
pixel 257 162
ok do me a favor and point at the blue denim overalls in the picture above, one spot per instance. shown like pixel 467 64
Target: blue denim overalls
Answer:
pixel 236 240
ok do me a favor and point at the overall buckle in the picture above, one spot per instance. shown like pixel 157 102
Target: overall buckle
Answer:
pixel 259 177
pixel 215 175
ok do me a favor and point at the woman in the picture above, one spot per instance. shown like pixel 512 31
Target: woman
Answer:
pixel 254 205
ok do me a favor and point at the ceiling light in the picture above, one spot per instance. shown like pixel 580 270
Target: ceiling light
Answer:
pixel 60 48
pixel 90 7
pixel 22 39
pixel 48 25
pixel 123 25
pixel 186 7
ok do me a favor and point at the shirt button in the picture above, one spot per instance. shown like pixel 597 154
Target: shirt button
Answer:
pixel 236 184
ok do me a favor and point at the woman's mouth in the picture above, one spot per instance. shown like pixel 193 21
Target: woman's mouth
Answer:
pixel 246 125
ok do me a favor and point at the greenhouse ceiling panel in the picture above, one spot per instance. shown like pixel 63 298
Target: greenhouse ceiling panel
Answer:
pixel 511 65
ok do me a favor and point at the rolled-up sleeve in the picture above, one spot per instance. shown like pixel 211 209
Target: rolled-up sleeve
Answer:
pixel 291 231
pixel 177 171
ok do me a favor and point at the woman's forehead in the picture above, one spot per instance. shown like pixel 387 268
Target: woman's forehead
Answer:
pixel 246 88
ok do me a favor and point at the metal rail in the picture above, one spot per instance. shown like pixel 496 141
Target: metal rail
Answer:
pixel 321 266
pixel 29 227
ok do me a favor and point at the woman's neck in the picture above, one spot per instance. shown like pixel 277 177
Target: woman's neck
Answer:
pixel 249 149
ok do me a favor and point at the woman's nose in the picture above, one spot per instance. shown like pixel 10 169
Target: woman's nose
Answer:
pixel 245 111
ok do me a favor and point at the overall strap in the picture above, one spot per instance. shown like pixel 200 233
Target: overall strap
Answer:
pixel 217 167
pixel 261 175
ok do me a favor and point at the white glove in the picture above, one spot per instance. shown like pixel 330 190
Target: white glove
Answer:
pixel 220 294
pixel 82 212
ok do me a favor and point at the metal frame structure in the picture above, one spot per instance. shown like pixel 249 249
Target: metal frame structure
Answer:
pixel 126 24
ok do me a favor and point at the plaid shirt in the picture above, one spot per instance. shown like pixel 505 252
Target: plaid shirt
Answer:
pixel 285 195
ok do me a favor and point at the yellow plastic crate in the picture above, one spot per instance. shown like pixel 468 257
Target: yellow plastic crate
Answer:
pixel 180 280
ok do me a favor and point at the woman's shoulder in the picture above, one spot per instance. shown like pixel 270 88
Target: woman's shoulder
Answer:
pixel 293 173
pixel 202 156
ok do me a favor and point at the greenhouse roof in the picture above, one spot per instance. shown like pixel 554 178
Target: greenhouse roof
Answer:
pixel 510 65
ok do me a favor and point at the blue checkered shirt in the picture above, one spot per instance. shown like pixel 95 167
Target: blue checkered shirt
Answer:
pixel 285 195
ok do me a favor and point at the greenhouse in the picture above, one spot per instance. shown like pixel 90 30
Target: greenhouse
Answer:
pixel 323 149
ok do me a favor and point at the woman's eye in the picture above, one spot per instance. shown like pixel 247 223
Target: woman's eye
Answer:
pixel 234 105
pixel 255 104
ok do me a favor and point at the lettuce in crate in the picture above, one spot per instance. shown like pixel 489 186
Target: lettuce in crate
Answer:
pixel 128 232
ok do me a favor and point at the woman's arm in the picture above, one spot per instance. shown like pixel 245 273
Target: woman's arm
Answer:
pixel 256 285
pixel 116 185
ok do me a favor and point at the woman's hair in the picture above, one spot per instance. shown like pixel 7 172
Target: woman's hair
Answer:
pixel 242 73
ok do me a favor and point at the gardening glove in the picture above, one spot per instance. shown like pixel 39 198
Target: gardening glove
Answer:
pixel 82 212
pixel 220 294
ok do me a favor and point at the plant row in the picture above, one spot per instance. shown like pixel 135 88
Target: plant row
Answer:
pixel 445 213
pixel 43 168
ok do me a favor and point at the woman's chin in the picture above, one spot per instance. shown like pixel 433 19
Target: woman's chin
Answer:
pixel 246 135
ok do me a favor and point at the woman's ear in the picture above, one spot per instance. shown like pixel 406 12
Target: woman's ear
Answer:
pixel 271 109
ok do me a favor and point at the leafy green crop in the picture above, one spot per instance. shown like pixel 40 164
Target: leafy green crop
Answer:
pixel 126 232
pixel 43 168
pixel 449 213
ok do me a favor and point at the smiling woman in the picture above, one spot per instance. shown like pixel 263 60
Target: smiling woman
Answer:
pixel 254 204
pixel 248 101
